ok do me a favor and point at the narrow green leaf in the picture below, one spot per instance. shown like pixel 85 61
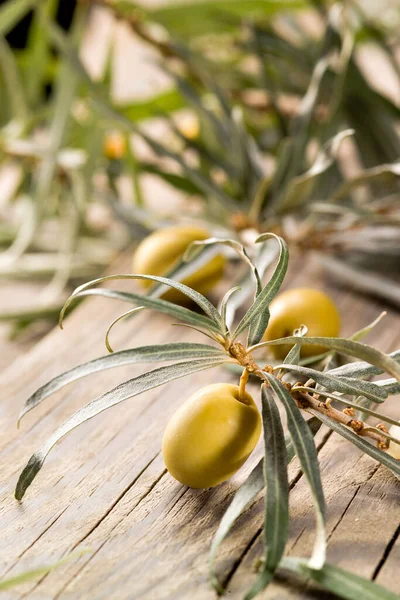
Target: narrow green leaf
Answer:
pixel 342 583
pixel 307 454
pixel 13 82
pixel 244 496
pixel 142 354
pixel 38 51
pixel 264 257
pixel 293 356
pixel 364 331
pixel 353 387
pixel 275 532
pixel 381 173
pixel 184 268
pixel 299 188
pixel 11 582
pixel 360 442
pixel 201 17
pixel 13 11
pixel 166 101
pixel 199 299
pixel 234 245
pixel 258 313
pixel 124 391
pixel 224 304
pixel 349 347
pixel 158 304
pixel 362 369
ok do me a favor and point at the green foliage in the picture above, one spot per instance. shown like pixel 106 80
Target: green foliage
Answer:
pixel 346 385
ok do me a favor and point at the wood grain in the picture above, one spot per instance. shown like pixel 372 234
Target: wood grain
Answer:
pixel 104 487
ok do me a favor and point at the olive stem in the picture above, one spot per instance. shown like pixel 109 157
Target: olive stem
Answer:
pixel 242 387
pixel 306 401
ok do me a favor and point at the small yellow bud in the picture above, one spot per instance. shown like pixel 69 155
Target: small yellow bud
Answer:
pixel 114 146
pixel 189 126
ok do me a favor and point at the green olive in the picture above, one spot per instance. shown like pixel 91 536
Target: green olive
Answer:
pixel 211 436
pixel 394 449
pixel 161 250
pixel 302 306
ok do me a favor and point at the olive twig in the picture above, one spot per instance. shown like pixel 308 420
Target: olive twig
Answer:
pixel 305 400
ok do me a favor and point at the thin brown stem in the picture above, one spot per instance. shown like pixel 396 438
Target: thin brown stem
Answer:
pixel 303 399
pixel 242 386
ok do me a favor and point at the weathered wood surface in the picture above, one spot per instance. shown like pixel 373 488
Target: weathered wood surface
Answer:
pixel 105 488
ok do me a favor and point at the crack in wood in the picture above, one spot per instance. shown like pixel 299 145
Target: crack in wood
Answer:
pixel 34 542
pixel 100 521
pixel 386 553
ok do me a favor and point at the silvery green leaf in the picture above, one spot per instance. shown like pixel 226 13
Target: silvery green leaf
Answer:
pixel 162 306
pixel 381 173
pixel 391 386
pixel 362 369
pixel 345 584
pixel 276 521
pixel 197 177
pixel 291 158
pixel 234 245
pixel 361 333
pixel 21 578
pixel 224 305
pixel 299 188
pixel 13 81
pixel 244 496
pixel 124 391
pixel 184 268
pixel 360 442
pixel 308 457
pixel 13 11
pixel 353 387
pixel 199 299
pixel 263 259
pixel 351 348
pixel 204 14
pixel 142 354
pixel 258 314
pixel 293 356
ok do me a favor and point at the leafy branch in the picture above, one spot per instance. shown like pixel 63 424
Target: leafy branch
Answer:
pixel 348 385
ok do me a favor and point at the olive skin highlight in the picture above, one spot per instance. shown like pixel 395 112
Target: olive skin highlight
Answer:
pixel 161 250
pixel 302 306
pixel 211 436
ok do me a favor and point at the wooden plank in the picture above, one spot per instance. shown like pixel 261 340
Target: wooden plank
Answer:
pixel 105 487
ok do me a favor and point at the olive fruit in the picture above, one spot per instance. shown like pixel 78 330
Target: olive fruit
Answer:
pixel 161 250
pixel 302 306
pixel 211 436
pixel 394 449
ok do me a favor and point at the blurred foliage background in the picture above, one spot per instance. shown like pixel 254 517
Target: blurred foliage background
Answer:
pixel 255 115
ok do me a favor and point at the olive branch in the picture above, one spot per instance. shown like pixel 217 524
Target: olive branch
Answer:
pixel 313 394
pixel 348 385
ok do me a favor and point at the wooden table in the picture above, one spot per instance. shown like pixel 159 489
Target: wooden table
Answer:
pixel 104 487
